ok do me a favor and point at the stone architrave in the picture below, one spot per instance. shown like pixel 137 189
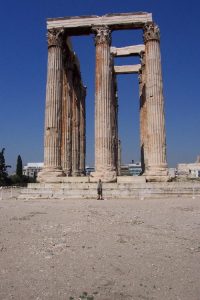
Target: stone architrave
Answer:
pixel 157 164
pixel 52 143
pixel 143 114
pixel 82 131
pixel 84 24
pixel 66 148
pixel 76 127
pixel 104 156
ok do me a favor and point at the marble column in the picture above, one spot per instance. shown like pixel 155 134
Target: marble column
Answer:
pixel 143 114
pixel 157 164
pixel 66 148
pixel 119 160
pixel 115 119
pixel 52 135
pixel 104 156
pixel 82 131
pixel 76 127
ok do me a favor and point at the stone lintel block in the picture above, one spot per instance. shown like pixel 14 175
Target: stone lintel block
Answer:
pixel 127 51
pixel 127 69
pixel 84 24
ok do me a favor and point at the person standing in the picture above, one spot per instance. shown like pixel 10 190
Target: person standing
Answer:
pixel 99 190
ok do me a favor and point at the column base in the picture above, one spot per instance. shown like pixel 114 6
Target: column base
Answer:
pixel 50 175
pixel 68 173
pixel 155 178
pixel 105 176
pixel 157 174
pixel 75 173
pixel 82 173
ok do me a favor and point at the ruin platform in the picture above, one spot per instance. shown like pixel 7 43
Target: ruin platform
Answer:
pixel 117 190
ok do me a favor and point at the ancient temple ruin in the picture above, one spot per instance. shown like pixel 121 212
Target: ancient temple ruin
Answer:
pixel 64 138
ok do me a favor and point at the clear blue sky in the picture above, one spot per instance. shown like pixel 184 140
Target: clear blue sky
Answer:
pixel 23 63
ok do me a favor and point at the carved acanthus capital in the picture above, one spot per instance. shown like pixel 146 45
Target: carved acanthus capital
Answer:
pixel 55 37
pixel 151 32
pixel 102 35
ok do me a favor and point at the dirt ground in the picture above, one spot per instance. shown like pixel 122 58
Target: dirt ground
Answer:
pixel 109 249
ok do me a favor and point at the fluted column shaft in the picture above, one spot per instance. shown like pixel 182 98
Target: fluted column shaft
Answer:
pixel 75 128
pixel 143 115
pixel 115 119
pixel 157 164
pixel 82 131
pixel 119 158
pixel 66 149
pixel 104 156
pixel 52 144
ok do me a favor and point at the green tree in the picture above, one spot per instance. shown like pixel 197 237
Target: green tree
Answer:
pixel 19 167
pixel 19 179
pixel 4 180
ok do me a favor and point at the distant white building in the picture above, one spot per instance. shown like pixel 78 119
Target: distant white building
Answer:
pixel 88 170
pixel 133 169
pixel 191 170
pixel 172 172
pixel 32 169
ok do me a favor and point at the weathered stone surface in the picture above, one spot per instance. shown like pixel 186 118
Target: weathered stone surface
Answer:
pixel 82 131
pixel 62 120
pixel 127 69
pixel 104 156
pixel 79 189
pixel 65 99
pixel 151 32
pixel 127 51
pixel 143 115
pixel 131 179
pixel 55 37
pixel 52 145
pixel 114 21
pixel 76 128
pixel 157 164
pixel 66 146
pixel 119 158
pixel 114 113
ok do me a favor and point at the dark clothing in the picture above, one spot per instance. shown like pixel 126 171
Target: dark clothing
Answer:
pixel 99 189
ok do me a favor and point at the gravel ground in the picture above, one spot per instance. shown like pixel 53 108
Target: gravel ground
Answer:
pixel 109 249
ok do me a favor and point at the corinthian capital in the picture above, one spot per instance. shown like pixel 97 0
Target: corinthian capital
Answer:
pixel 151 32
pixel 102 35
pixel 55 37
